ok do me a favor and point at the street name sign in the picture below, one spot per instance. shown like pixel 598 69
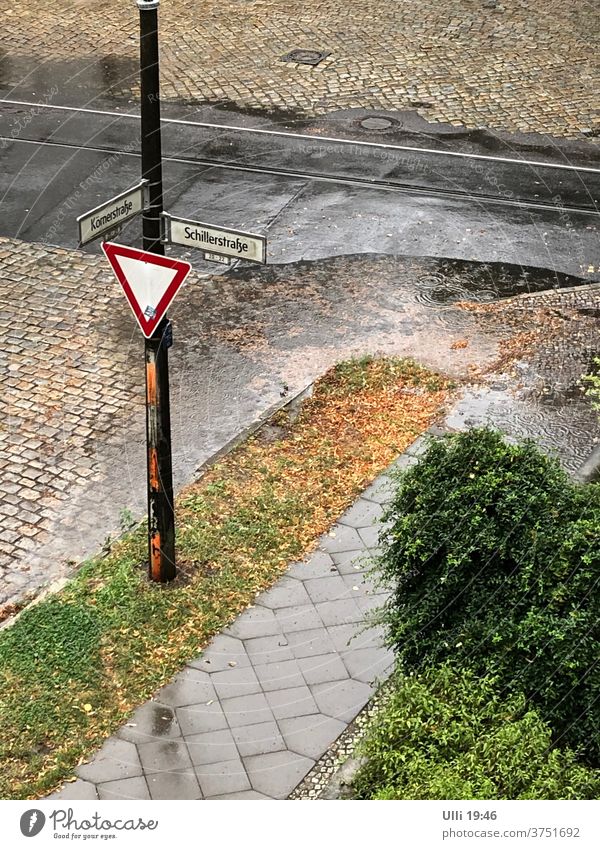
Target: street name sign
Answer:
pixel 214 240
pixel 110 215
pixel 150 282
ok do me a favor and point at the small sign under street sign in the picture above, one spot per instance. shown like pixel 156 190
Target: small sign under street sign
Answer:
pixel 150 282
pixel 214 240
pixel 224 260
pixel 110 215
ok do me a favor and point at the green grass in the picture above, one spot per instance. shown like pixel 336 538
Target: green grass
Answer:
pixel 74 666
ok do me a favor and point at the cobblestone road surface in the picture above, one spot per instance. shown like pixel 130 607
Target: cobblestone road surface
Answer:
pixel 72 430
pixel 71 435
pixel 516 65
pixel 62 387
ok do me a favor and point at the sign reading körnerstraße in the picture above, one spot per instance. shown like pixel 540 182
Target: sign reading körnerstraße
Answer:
pixel 110 215
pixel 216 240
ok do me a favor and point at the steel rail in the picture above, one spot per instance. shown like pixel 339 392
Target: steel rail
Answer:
pixel 314 139
pixel 366 182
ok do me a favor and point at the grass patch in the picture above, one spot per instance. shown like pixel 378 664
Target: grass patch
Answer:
pixel 73 667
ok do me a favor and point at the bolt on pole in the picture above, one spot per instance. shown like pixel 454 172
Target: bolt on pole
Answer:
pixel 161 515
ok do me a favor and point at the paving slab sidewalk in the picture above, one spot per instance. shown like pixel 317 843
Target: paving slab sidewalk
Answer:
pixel 250 716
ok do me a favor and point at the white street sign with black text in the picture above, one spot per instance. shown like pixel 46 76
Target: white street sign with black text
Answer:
pixel 110 215
pixel 214 240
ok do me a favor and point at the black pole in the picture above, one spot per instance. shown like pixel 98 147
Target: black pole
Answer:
pixel 161 516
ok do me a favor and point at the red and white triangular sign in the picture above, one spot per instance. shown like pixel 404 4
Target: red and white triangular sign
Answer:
pixel 149 281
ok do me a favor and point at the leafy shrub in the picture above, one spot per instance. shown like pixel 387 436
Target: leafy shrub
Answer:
pixel 592 382
pixel 494 560
pixel 449 735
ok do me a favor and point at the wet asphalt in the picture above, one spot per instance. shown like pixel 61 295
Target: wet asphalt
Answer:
pixel 320 188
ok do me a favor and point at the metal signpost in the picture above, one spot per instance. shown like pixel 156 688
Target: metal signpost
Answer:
pixel 161 513
pixel 150 282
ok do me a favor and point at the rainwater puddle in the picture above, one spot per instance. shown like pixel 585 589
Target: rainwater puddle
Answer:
pixel 73 82
pixel 162 720
pixel 461 280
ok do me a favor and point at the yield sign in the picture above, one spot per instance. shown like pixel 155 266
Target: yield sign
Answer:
pixel 149 281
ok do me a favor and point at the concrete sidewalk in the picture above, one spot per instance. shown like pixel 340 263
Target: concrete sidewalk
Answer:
pixel 250 717
pixel 253 713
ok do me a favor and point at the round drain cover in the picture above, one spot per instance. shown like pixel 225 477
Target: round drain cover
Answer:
pixel 306 57
pixel 376 123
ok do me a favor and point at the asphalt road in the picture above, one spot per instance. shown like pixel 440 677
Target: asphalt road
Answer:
pixel 315 197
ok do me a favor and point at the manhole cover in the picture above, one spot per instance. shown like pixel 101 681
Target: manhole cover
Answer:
pixel 305 57
pixel 376 123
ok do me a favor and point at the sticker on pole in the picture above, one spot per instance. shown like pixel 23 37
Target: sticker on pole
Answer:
pixel 150 282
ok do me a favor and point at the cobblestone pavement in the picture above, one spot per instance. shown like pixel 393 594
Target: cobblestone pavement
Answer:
pixel 559 338
pixel 515 65
pixel 61 389
pixel 72 439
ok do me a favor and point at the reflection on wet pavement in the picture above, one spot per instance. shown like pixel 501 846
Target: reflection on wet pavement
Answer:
pixel 457 280
pixel 72 445
pixel 107 78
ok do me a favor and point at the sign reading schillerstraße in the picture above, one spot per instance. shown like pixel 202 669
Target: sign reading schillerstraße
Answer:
pixel 216 240
pixel 107 217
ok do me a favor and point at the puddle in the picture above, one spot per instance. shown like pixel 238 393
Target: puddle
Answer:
pixel 162 720
pixel 284 118
pixel 566 432
pixel 71 82
pixel 439 283
pixel 461 280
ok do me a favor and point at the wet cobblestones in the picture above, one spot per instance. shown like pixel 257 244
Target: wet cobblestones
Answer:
pixel 61 388
pixel 557 336
pixel 514 66
pixel 71 376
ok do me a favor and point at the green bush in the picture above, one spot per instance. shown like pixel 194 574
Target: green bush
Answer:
pixel 592 383
pixel 493 557
pixel 449 735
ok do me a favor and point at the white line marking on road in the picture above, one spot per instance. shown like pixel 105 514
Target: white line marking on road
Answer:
pixel 314 139
pixel 319 178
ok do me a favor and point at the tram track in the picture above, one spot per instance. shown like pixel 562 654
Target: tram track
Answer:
pixel 420 170
pixel 316 195
pixel 285 134
pixel 381 184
